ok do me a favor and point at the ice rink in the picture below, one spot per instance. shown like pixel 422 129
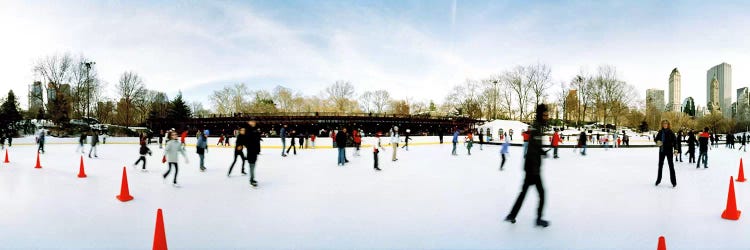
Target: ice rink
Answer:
pixel 426 200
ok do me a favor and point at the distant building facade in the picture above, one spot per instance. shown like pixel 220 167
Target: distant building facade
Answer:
pixel 723 74
pixel 674 91
pixel 655 98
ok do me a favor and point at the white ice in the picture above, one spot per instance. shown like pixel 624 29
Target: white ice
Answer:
pixel 426 200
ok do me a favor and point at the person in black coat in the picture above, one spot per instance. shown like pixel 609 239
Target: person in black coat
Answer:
pixel 239 145
pixel 582 139
pixel 703 139
pixel 678 146
pixel 691 147
pixel 341 137
pixel 253 149
pixel 532 167
pixel 667 142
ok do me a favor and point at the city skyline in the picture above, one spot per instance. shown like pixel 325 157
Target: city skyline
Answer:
pixel 403 47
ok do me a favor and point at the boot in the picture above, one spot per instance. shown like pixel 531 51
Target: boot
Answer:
pixel 542 223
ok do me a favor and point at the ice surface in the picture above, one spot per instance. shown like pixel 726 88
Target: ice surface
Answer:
pixel 426 200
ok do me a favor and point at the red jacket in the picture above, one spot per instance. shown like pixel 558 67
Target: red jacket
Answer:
pixel 525 135
pixel 357 137
pixel 556 139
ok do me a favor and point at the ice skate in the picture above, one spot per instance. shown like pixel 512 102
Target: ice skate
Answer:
pixel 510 219
pixel 542 223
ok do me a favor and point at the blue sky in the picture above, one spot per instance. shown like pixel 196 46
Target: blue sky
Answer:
pixel 416 49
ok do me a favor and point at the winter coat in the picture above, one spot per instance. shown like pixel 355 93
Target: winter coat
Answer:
pixel 526 136
pixel 669 141
pixel 678 143
pixel 395 137
pixel 282 133
pixel 534 152
pixel 455 136
pixel 357 137
pixel 251 141
pixel 582 139
pixel 506 145
pixel 341 139
pixel 144 150
pixel 95 139
pixel 703 139
pixel 555 139
pixel 172 151
pixel 691 144
pixel 201 145
pixel 82 139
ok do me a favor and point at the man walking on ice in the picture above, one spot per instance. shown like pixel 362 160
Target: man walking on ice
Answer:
pixel 532 166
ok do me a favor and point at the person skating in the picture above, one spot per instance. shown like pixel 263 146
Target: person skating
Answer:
pixel 678 146
pixel 201 147
pixel 312 139
pixel 406 140
pixel 227 141
pixel 253 150
pixel 440 135
pixel 525 134
pixel 357 137
pixel 555 143
pixel 161 138
pixel 504 151
pixel 703 139
pixel 666 140
pixel 743 141
pixel 455 141
pixel 301 138
pixel 94 143
pixel 469 142
pixel 292 144
pixel 379 136
pixel 221 140
pixel 532 167
pixel 238 151
pixel 341 138
pixel 375 152
pixel 172 151
pixel 143 151
pixel 81 143
pixel 2 141
pixel 691 147
pixel 182 139
pixel 394 142
pixel 40 140
pixel 582 140
pixel 481 139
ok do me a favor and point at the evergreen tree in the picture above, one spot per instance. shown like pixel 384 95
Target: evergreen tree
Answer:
pixel 9 114
pixel 178 109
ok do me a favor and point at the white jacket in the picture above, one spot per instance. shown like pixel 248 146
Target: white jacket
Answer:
pixel 394 137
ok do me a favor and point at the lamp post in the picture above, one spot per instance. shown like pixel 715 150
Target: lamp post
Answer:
pixel 87 103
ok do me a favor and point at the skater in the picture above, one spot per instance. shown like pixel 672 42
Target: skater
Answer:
pixel 743 141
pixel 691 147
pixel 379 135
pixel 182 139
pixel 172 151
pixel 504 151
pixel 226 141
pixel 555 143
pixel 40 140
pixel 341 144
pixel 406 140
pixel 666 141
pixel 357 141
pixel 678 146
pixel 481 139
pixel 144 150
pixel 375 152
pixel 2 141
pixel 104 138
pixel 307 139
pixel 394 142
pixel 312 139
pixel 291 143
pixel 241 140
pixel 253 149
pixel 455 140
pixel 94 142
pixel 526 136
pixel 201 147
pixel 582 140
pixel 282 135
pixel 81 142
pixel 333 138
pixel 510 133
pixel 301 137
pixel 221 140
pixel 703 139
pixel 161 138
pixel 469 142
pixel 532 167
pixel 440 135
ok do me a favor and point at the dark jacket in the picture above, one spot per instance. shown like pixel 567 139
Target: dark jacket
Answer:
pixel 252 141
pixel 582 139
pixel 241 141
pixel 534 152
pixel 144 150
pixel 341 139
pixel 703 141
pixel 691 143
pixel 669 142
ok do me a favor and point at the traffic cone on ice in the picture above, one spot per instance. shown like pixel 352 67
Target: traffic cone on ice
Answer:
pixel 6 156
pixel 741 175
pixel 731 212
pixel 81 172
pixel 662 244
pixel 38 165
pixel 160 237
pixel 124 191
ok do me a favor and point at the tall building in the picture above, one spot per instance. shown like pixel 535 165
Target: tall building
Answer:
pixel 36 97
pixel 655 98
pixel 51 92
pixel 743 104
pixel 714 105
pixel 674 91
pixel 723 74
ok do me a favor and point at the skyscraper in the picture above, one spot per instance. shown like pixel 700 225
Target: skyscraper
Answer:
pixel 655 98
pixel 723 74
pixel 713 97
pixel 674 91
pixel 743 104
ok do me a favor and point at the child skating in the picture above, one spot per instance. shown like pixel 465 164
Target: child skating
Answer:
pixel 172 152
pixel 144 150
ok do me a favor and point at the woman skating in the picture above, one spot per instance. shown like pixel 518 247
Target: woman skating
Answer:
pixel 691 147
pixel 469 142
pixel 666 140
pixel 239 143
pixel 171 152
pixel 201 149
pixel 504 151
pixel 678 146
pixel 143 151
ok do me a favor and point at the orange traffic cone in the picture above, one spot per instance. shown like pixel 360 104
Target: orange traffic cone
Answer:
pixel 124 191
pixel 38 165
pixel 731 212
pixel 662 244
pixel 741 175
pixel 6 156
pixel 160 237
pixel 81 172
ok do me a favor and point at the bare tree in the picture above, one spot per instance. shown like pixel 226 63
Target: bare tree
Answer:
pixel 515 80
pixel 339 93
pixel 538 81
pixel 198 110
pixel 131 91
pixel 366 101
pixel 56 71
pixel 223 101
pixel 380 100
pixel 283 98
